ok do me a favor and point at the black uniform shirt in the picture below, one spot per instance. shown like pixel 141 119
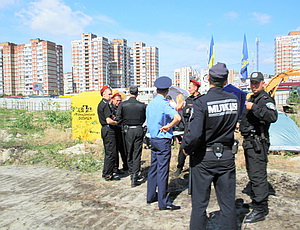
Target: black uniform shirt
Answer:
pixel 262 113
pixel 213 121
pixel 113 109
pixel 188 107
pixel 188 110
pixel 131 112
pixel 104 111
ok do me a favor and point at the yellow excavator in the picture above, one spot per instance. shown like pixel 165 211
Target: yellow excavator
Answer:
pixel 294 94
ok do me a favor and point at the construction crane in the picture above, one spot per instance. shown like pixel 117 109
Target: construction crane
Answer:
pixel 274 83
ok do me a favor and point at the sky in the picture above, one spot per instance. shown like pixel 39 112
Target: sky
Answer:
pixel 181 29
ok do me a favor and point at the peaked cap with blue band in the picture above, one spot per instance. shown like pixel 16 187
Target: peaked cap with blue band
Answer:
pixel 163 82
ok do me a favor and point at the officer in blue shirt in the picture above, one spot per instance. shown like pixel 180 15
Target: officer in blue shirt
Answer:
pixel 161 117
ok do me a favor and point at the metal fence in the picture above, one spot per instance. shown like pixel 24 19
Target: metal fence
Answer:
pixel 37 104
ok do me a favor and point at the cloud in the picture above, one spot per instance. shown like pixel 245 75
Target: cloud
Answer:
pixel 5 3
pixel 105 19
pixel 231 15
pixel 176 50
pixel 261 18
pixel 54 17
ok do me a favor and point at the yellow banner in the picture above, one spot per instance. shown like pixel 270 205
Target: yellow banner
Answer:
pixel 85 122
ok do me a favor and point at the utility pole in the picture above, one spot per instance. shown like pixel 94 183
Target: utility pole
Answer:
pixel 257 54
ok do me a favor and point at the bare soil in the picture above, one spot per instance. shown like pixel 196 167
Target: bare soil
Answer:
pixel 47 198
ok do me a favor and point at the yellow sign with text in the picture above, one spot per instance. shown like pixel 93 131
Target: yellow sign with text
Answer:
pixel 85 121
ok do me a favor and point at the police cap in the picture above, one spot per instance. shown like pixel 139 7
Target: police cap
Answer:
pixel 218 72
pixel 256 76
pixel 163 82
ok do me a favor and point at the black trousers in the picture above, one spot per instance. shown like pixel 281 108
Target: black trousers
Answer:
pixel 256 164
pixel 181 159
pixel 120 149
pixel 205 170
pixel 109 142
pixel 134 145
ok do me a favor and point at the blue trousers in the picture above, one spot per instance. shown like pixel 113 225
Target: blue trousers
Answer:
pixel 158 173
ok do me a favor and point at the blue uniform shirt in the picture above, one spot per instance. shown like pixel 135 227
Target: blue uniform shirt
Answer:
pixel 158 114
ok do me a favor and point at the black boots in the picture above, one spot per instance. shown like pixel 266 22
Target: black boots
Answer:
pixel 259 212
pixel 135 180
pixel 178 172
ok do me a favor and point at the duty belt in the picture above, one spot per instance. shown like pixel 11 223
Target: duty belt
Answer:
pixel 134 126
pixel 110 126
pixel 210 149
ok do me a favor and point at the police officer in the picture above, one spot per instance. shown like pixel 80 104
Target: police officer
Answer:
pixel 186 113
pixel 161 117
pixel 209 143
pixel 259 112
pixel 115 102
pixel 107 122
pixel 132 115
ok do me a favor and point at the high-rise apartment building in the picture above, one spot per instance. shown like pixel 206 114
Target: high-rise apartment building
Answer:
pixel 119 64
pixel 7 68
pixel 96 62
pixel 233 77
pixel 145 64
pixel 287 52
pixel 183 75
pixel 1 72
pixel 68 83
pixel 90 62
pixel 31 69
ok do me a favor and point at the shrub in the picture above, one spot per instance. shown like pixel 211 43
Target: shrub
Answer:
pixel 62 118
pixel 24 120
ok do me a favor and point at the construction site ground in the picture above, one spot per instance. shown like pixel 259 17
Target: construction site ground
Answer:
pixel 42 197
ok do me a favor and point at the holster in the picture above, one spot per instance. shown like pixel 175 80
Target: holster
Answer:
pixel 252 143
pixel 256 143
pixel 235 146
pixel 145 129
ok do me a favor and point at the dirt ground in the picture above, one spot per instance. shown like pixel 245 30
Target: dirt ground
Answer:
pixel 47 198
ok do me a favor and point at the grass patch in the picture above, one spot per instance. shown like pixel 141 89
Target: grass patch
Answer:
pixel 38 138
pixel 87 163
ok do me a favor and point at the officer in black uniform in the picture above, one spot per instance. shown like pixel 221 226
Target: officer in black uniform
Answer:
pixel 186 113
pixel 107 122
pixel 116 100
pixel 132 115
pixel 259 112
pixel 209 143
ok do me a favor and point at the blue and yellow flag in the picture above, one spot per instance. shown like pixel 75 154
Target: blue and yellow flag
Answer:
pixel 211 58
pixel 245 60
